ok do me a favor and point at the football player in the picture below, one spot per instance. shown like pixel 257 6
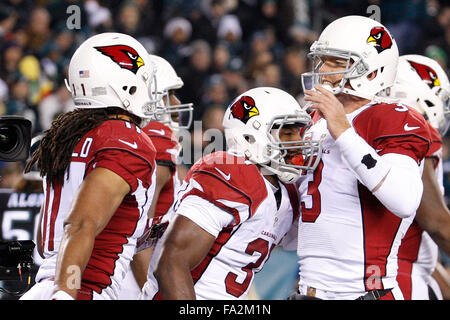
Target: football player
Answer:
pixel 162 132
pixel 363 195
pixel 99 172
pixel 422 84
pixel 235 206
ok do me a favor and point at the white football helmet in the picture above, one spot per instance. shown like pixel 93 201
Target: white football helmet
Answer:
pixel 422 84
pixel 252 124
pixel 167 79
pixel 366 45
pixel 113 70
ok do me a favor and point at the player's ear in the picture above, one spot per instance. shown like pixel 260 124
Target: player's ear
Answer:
pixel 372 75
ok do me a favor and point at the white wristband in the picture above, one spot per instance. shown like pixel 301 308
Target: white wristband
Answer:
pixel 368 166
pixel 61 295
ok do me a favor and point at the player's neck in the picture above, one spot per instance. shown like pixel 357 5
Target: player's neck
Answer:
pixel 268 175
pixel 351 103
pixel 272 179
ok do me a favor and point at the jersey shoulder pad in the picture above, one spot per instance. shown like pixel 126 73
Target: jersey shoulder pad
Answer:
pixel 394 128
pixel 229 177
pixel 121 147
pixel 124 136
pixel 160 130
pixel 164 140
pixel 384 120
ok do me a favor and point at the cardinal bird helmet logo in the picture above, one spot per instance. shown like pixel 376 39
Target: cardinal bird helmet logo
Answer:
pixel 426 74
pixel 380 39
pixel 244 109
pixel 125 56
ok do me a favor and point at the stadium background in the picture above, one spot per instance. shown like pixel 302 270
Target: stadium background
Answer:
pixel 220 48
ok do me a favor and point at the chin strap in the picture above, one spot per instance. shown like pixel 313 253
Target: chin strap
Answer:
pixel 284 176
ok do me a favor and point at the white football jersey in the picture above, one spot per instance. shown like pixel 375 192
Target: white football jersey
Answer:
pixel 122 148
pixel 347 240
pixel 256 225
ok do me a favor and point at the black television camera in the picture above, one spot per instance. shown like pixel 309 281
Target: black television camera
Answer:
pixel 16 259
pixel 15 138
pixel 16 256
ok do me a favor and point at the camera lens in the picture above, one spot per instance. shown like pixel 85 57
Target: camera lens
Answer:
pixel 15 138
pixel 9 137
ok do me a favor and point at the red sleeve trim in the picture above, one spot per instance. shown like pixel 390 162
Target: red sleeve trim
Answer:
pixel 203 195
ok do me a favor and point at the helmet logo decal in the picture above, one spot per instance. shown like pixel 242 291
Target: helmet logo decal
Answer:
pixel 244 108
pixel 426 74
pixel 125 56
pixel 380 39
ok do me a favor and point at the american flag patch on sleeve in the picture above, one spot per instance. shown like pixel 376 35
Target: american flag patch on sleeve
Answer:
pixel 84 73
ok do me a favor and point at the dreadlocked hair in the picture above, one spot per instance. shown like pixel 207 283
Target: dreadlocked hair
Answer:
pixel 55 150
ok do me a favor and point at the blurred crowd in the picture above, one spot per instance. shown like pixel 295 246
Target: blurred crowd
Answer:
pixel 219 48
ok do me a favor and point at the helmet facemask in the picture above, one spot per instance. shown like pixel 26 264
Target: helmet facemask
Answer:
pixel 169 112
pixel 155 99
pixel 287 159
pixel 355 68
pixel 444 97
pixel 173 115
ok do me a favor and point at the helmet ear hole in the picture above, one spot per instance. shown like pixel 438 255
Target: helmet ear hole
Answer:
pixel 429 103
pixel 132 90
pixel 250 139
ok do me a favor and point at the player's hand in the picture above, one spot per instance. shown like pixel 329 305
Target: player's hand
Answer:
pixel 330 108
pixel 151 235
